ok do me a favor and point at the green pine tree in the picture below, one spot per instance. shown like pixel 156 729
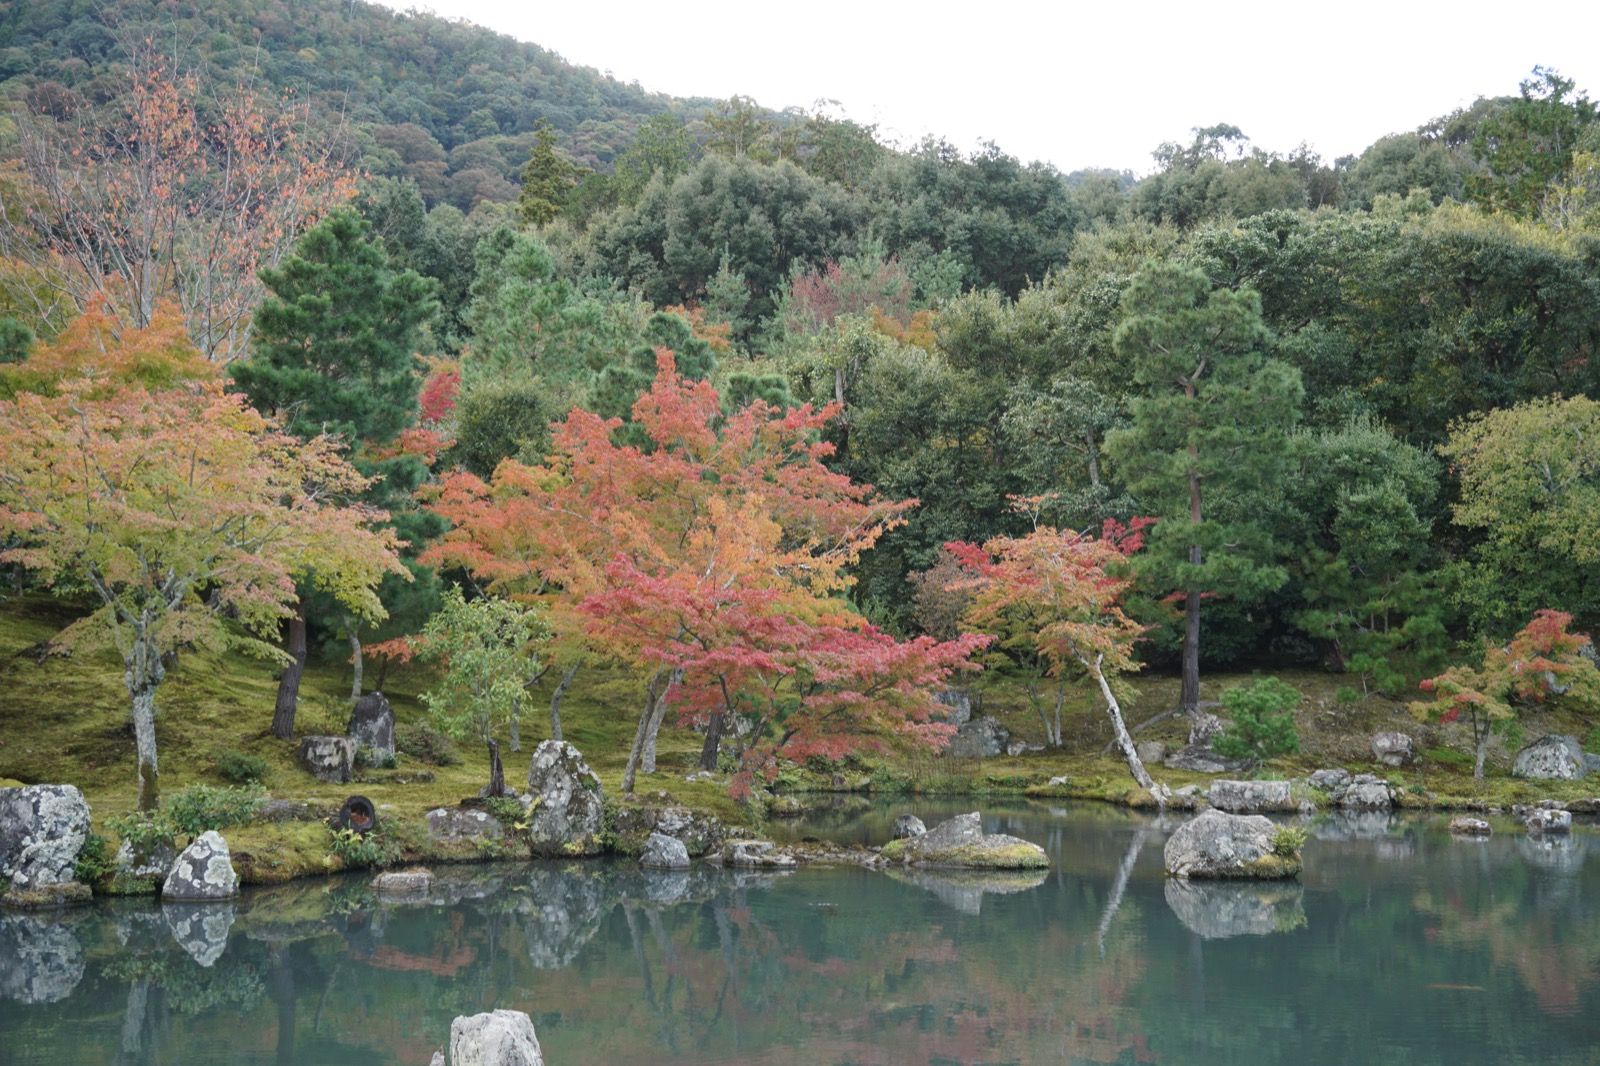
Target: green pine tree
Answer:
pixel 547 179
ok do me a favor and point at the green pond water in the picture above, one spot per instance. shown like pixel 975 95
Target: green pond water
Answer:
pixel 1399 945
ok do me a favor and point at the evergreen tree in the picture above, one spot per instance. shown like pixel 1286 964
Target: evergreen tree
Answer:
pixel 547 178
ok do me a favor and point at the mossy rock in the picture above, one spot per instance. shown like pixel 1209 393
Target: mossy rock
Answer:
pixel 960 843
pixel 47 897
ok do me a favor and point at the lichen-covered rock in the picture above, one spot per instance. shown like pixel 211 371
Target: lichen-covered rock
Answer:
pixel 371 724
pixel 756 854
pixel 1201 759
pixel 330 759
pixel 907 825
pixel 1394 749
pixel 662 852
pixel 1366 793
pixel 1551 758
pixel 403 884
pixel 1216 844
pixel 960 843
pixel 154 862
pixel 462 825
pixel 201 929
pixel 204 871
pixel 631 826
pixel 981 738
pixel 1252 797
pixel 1542 822
pixel 1218 911
pixel 1333 782
pixel 568 804
pixel 47 897
pixel 495 1038
pixel 1461 825
pixel 41 960
pixel 42 829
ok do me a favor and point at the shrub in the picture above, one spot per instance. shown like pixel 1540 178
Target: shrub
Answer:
pixel 94 860
pixel 238 768
pixel 201 807
pixel 1287 840
pixel 145 831
pixel 1263 720
pixel 427 744
pixel 1346 694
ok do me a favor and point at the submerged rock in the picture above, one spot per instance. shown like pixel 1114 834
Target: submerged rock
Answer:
pixel 569 805
pixel 1216 844
pixel 1217 911
pixel 495 1038
pixel 1554 757
pixel 1461 825
pixel 42 829
pixel 960 843
pixel 204 871
pixel 662 852
pixel 755 854
pixel 403 884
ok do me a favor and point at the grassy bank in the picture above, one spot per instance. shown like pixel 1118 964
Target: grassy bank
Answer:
pixel 64 718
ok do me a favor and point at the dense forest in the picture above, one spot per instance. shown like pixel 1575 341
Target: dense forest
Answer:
pixel 1323 413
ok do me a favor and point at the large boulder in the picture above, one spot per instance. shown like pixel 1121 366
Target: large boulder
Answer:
pixel 959 702
pixel 662 852
pixel 462 825
pixel 1201 759
pixel 496 1038
pixel 907 825
pixel 632 824
pixel 42 829
pixel 372 724
pixel 203 872
pixel 981 738
pixel 1216 844
pixel 1332 782
pixel 1551 758
pixel 960 843
pixel 1252 797
pixel 568 804
pixel 330 759
pixel 1394 749
pixel 1152 752
pixel 1548 821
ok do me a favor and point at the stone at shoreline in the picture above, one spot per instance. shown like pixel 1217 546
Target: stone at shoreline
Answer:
pixel 330 759
pixel 1553 757
pixel 152 864
pixel 755 854
pixel 662 852
pixel 1542 822
pixel 632 824
pixel 1394 749
pixel 203 872
pixel 42 829
pixel 1333 782
pixel 1216 911
pixel 371 724
pixel 1462 825
pixel 403 884
pixel 1215 844
pixel 461 825
pixel 1200 759
pixel 568 803
pixel 495 1038
pixel 907 825
pixel 785 806
pixel 47 897
pixel 959 704
pixel 1252 797
pixel 1366 792
pixel 981 738
pixel 960 843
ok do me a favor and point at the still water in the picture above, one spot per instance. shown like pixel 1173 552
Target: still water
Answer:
pixel 1399 945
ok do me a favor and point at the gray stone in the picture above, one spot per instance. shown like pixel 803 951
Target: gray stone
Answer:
pixel 1394 749
pixel 907 825
pixel 460 825
pixel 371 724
pixel 438 1059
pixel 1215 844
pixel 1591 762
pixel 981 738
pixel 1333 782
pixel 1200 759
pixel 756 854
pixel 42 829
pixel 1217 911
pixel 569 806
pixel 41 960
pixel 330 759
pixel 959 702
pixel 1152 751
pixel 1059 781
pixel 496 1038
pixel 632 826
pixel 1022 747
pixel 662 852
pixel 1366 793
pixel 1252 797
pixel 960 843
pixel 1203 727
pixel 1553 757
pixel 201 929
pixel 203 872
pixel 1461 825
pixel 155 863
pixel 403 884
pixel 1541 822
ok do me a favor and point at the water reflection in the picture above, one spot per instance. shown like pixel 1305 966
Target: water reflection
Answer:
pixel 1217 911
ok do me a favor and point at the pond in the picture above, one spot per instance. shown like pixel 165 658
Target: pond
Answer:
pixel 1399 945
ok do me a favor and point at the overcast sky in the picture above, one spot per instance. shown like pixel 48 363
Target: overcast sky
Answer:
pixel 1077 84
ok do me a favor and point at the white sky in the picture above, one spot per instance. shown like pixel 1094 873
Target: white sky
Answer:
pixel 1077 84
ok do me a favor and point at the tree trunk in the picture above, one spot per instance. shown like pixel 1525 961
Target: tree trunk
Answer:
pixel 1482 750
pixel 142 673
pixel 649 724
pixel 356 664
pixel 555 698
pixel 709 750
pixel 516 724
pixel 1189 698
pixel 497 772
pixel 647 758
pixel 289 684
pixel 1124 741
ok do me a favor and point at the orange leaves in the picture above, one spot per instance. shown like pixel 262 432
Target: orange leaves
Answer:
pixel 1544 659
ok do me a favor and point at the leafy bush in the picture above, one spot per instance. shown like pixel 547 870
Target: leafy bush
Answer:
pixel 201 807
pixel 145 831
pixel 240 769
pixel 427 744
pixel 94 860
pixel 384 846
pixel 1346 694
pixel 1287 840
pixel 1263 720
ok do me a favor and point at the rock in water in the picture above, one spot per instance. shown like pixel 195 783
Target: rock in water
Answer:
pixel 372 724
pixel 662 852
pixel 756 854
pixel 42 829
pixel 204 871
pixel 960 843
pixel 1252 797
pixel 981 738
pixel 1394 749
pixel 1551 758
pixel 569 807
pixel 907 825
pixel 330 759
pixel 1462 825
pixel 1546 821
pixel 403 884
pixel 1216 844
pixel 497 1038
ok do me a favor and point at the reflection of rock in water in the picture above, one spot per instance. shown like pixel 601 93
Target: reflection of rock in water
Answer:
pixel 964 890
pixel 1217 911
pixel 41 960
pixel 139 927
pixel 665 886
pixel 201 929
pixel 1561 854
pixel 565 911
pixel 1353 825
